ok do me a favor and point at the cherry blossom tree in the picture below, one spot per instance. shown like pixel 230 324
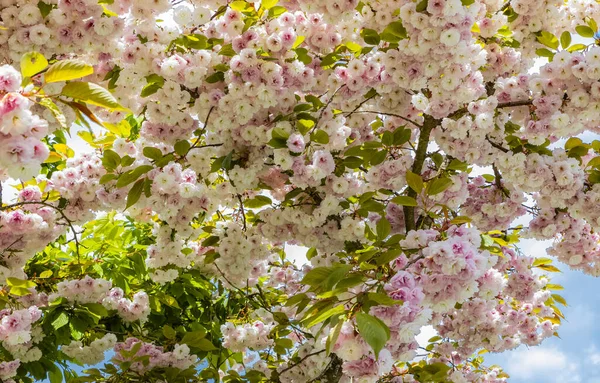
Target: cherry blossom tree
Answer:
pixel 406 146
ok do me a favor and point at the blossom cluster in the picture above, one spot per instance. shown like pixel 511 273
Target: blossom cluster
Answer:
pixel 90 290
pixel 179 358
pixel 254 336
pixel 21 131
pixel 92 353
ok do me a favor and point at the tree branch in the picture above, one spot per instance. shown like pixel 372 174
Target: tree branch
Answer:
pixel 391 115
pixel 420 154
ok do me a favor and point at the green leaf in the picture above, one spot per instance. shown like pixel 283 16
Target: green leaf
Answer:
pixel 299 40
pixel 584 31
pixel 404 201
pixel 320 136
pixel 132 175
pixel 333 335
pixel 65 70
pixel 193 337
pixel 55 375
pixel 97 309
pixel 383 299
pixel 394 32
pixel 373 331
pixel 45 10
pixel 458 165
pixel 323 314
pixel 135 193
pixel 91 93
pixel 422 5
pixel 316 276
pixel 383 228
pixel 227 50
pixel 277 11
pixel 543 52
pixel 45 274
pixel 370 36
pixel 438 185
pixel 169 332
pixel 33 63
pixel 56 112
pixel 60 321
pixel 338 273
pixel 548 39
pixel 154 82
pixel 23 283
pixel 268 4
pixel 565 39
pixel 182 147
pixel 414 181
pixel 110 160
pixel 577 47
pixel 258 201
pixel 238 5
pixel 152 153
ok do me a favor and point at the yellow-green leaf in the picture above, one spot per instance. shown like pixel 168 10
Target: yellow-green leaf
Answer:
pixel 33 63
pixel 268 4
pixel 90 93
pixel 414 181
pixel 68 70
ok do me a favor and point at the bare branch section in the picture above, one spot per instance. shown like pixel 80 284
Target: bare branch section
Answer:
pixel 420 155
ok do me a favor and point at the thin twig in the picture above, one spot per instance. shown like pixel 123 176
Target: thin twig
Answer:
pixel 301 360
pixel 325 107
pixel 391 115
pixel 359 105
pixel 242 211
pixel 69 222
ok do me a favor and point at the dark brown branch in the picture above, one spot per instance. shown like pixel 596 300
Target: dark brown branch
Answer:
pixel 417 168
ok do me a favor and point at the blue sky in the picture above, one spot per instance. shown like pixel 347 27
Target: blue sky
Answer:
pixel 575 357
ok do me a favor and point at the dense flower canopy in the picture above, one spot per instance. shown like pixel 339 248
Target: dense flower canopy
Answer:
pixel 397 141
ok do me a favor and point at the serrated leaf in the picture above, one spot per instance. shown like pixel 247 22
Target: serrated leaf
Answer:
pixel 438 185
pixel 258 201
pixel 373 331
pixel 56 112
pixel 323 315
pixel 404 201
pixel 90 93
pixel 383 228
pixel 414 181
pixel 66 70
pixel 135 193
pixel 60 321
